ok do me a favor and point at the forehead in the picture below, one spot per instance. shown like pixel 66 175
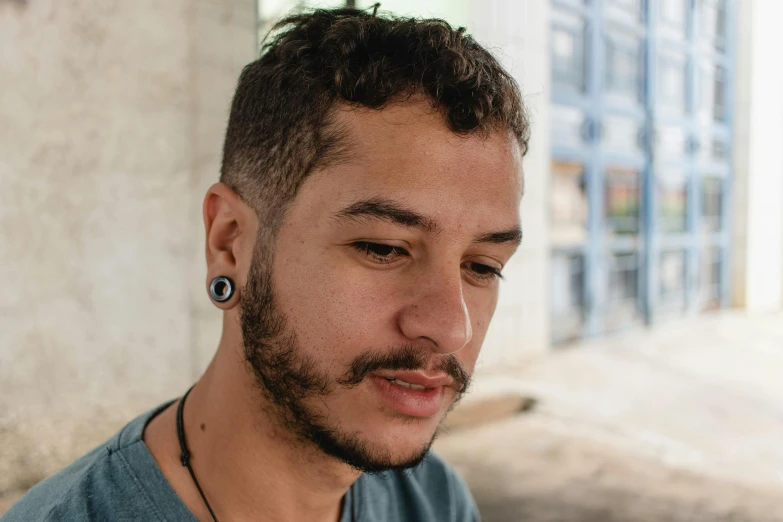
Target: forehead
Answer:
pixel 406 151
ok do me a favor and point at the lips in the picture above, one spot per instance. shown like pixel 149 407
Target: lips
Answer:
pixel 413 394
pixel 418 379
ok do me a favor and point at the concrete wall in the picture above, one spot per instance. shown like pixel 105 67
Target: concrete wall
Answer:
pixel 112 121
pixel 757 260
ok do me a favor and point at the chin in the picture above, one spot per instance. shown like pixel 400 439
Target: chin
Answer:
pixel 383 445
pixel 405 439
pixel 397 457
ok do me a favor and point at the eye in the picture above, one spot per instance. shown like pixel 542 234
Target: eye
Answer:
pixel 484 272
pixel 379 252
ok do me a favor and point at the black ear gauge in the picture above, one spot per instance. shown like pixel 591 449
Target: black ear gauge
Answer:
pixel 221 289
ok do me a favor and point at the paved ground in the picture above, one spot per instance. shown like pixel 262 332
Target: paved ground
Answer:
pixel 682 423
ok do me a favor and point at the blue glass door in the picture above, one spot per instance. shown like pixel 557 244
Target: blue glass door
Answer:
pixel 623 163
pixel 671 190
pixel 713 151
pixel 574 140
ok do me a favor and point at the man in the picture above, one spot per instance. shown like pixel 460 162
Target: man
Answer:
pixel 369 199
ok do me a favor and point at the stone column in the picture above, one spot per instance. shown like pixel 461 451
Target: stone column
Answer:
pixel 757 257
pixel 112 119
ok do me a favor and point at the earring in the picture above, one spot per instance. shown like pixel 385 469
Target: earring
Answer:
pixel 221 289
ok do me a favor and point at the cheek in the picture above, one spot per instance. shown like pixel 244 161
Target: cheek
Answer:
pixel 334 309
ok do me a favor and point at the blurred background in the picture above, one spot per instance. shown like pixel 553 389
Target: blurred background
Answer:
pixel 634 369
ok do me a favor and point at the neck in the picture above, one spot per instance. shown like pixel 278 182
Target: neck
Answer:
pixel 248 466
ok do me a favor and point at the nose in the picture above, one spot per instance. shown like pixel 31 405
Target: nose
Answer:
pixel 438 314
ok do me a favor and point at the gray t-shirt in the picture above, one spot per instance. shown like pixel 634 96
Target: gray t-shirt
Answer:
pixel 120 481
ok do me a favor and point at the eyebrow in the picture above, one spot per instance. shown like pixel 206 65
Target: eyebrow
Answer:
pixel 392 211
pixel 387 210
pixel 512 235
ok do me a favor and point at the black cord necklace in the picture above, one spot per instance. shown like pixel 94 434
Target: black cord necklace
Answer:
pixel 185 455
pixel 185 459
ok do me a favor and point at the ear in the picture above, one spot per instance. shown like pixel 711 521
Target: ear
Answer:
pixel 230 226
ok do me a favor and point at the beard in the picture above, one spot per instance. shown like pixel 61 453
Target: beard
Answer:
pixel 289 378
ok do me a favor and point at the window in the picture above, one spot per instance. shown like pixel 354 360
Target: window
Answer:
pixel 622 201
pixel 568 303
pixel 713 24
pixel 672 83
pixel 568 204
pixel 672 272
pixel 673 17
pixel 624 73
pixel 712 204
pixel 672 202
pixel 568 51
pixel 710 277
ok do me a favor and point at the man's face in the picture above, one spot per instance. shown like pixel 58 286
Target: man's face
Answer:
pixel 382 284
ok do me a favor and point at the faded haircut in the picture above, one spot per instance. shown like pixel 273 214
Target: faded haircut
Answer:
pixel 281 124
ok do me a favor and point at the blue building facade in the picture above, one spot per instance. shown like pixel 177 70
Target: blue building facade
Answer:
pixel 641 134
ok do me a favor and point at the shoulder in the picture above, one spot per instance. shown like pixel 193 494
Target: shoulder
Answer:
pixel 432 491
pixel 91 488
pixel 59 496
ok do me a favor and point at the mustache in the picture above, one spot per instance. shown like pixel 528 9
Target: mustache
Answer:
pixel 404 358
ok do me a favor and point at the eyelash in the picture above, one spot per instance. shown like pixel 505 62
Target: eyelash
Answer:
pixel 369 249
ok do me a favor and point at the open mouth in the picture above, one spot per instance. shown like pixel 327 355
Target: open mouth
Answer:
pixel 404 384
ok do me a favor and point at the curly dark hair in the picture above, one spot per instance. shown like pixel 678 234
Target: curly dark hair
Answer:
pixel 280 130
